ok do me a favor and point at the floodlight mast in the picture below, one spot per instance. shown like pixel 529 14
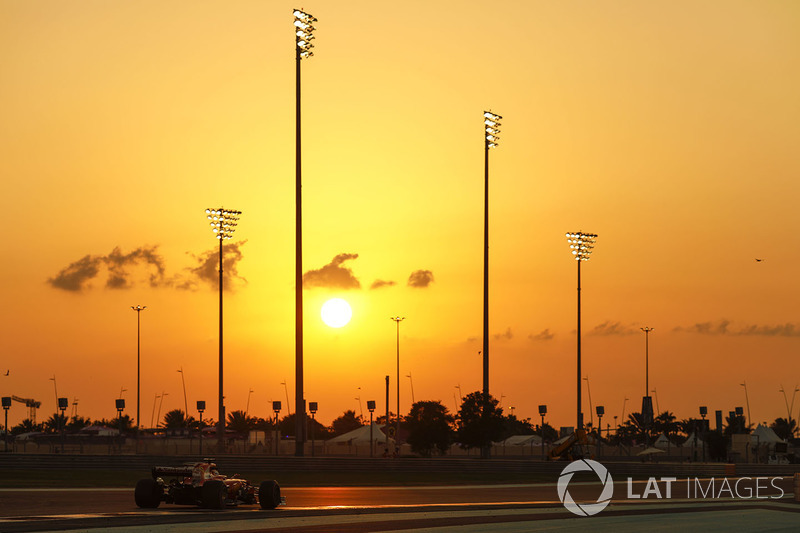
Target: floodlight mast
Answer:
pixel 581 245
pixel 491 122
pixel 303 28
pixel 138 309
pixel 223 223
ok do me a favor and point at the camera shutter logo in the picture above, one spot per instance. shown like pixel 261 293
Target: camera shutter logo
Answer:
pixel 585 509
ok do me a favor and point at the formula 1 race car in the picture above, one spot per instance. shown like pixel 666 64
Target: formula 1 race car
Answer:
pixel 202 484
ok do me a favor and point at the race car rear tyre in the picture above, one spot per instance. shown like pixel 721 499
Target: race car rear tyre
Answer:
pixel 213 494
pixel 269 494
pixel 148 493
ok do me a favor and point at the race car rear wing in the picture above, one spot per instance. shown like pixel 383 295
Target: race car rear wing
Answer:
pixel 179 471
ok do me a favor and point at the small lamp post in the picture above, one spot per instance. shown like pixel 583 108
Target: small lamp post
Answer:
pixel 542 412
pixel 63 404
pixel 201 406
pixel 276 408
pixel 6 406
pixel 312 407
pixel 703 413
pixel 601 410
pixel 371 407
pixel 120 404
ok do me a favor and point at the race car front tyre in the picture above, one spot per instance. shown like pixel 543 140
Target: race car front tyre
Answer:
pixel 148 493
pixel 213 494
pixel 269 494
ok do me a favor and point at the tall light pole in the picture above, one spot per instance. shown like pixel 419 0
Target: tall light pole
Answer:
pixel 410 379
pixel 625 401
pixel 789 410
pixel 153 414
pixel 160 403
pixel 55 390
pixel 185 402
pixel 397 319
pixel 491 124
pixel 747 401
pixel 581 244
pixel 658 409
pixel 223 224
pixel 591 407
pixel 138 309
pixel 286 390
pixel 303 29
pixel 247 407
pixel 647 401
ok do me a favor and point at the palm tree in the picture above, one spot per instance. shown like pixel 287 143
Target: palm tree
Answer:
pixel 239 422
pixel 123 423
pixel 55 423
pixel 26 426
pixel 175 419
pixel 666 423
pixel 783 428
pixel 77 423
pixel 736 424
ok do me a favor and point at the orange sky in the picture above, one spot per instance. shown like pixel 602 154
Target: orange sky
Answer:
pixel 668 128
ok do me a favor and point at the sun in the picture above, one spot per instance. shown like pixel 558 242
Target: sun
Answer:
pixel 336 313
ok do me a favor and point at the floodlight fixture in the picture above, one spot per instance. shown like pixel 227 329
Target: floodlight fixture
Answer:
pixel 304 28
pixel 581 244
pixel 223 222
pixel 492 129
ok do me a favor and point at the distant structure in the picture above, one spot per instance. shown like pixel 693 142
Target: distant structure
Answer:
pixel 32 406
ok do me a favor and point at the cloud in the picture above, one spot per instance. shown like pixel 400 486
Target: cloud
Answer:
pixel 723 327
pixel 378 283
pixel 76 276
pixel 206 269
pixel 609 328
pixel 781 330
pixel 333 275
pixel 420 279
pixel 543 335
pixel 505 336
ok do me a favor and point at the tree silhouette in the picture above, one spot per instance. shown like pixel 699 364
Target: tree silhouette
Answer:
pixel 175 419
pixel 347 422
pixel 123 423
pixel 736 424
pixel 480 421
pixel 784 428
pixel 26 426
pixel 263 424
pixel 55 423
pixel 667 424
pixel 547 432
pixel 77 423
pixel 514 426
pixel 429 428
pixel 239 422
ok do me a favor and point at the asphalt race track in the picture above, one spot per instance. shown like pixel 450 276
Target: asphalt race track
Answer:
pixel 446 508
